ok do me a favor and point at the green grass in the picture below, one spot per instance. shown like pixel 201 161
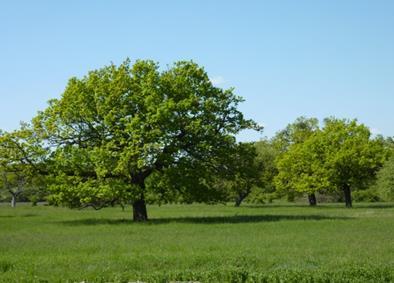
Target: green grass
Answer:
pixel 199 242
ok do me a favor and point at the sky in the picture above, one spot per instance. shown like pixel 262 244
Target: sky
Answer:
pixel 285 58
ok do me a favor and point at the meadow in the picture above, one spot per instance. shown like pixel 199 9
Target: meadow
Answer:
pixel 207 243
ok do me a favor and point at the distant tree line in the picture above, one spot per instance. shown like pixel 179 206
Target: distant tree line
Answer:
pixel 133 134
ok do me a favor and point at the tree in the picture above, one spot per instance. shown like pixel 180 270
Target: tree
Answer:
pixel 342 156
pixel 385 181
pixel 243 171
pixel 266 156
pixel 117 127
pixel 14 183
pixel 299 171
pixel 389 144
pixel 352 156
pixel 296 133
pixel 21 162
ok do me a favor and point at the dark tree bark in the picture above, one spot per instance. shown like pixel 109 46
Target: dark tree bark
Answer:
pixel 239 200
pixel 241 196
pixel 348 195
pixel 312 199
pixel 139 210
pixel 139 206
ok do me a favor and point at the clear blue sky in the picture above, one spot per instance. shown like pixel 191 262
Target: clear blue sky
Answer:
pixel 286 58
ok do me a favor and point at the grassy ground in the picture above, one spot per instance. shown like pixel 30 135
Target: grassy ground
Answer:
pixel 199 242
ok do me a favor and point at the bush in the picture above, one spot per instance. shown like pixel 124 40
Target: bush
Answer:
pixel 369 195
pixel 385 181
pixel 34 200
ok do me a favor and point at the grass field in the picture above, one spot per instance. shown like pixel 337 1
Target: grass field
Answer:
pixel 270 243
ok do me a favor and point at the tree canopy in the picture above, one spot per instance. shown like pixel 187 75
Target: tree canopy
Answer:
pixel 341 156
pixel 22 161
pixel 295 133
pixel 114 128
pixel 385 181
pixel 244 171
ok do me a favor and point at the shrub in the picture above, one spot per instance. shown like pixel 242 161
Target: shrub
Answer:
pixel 369 195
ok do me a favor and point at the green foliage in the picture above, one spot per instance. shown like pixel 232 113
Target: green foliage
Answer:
pixel 259 196
pixel 202 181
pixel 264 190
pixel 295 133
pixel 369 195
pixel 292 137
pixel 351 155
pixel 385 181
pixel 243 171
pixel 342 153
pixel 22 163
pixel 119 125
pixel 389 143
pixel 267 154
pixel 207 243
pixel 300 172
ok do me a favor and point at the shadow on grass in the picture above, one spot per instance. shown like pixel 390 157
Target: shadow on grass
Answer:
pixel 373 205
pixel 235 219
pixel 336 205
pixel 270 205
pixel 20 215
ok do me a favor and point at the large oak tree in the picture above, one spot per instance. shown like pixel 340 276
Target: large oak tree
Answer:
pixel 120 125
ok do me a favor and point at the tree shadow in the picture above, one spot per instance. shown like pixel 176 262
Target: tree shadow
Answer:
pixel 270 205
pixel 18 215
pixel 7 216
pixel 232 219
pixel 337 205
pixel 373 205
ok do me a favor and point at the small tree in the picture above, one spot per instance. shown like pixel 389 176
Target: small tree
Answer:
pixel 21 161
pixel 352 156
pixel 266 156
pixel 243 171
pixel 342 156
pixel 117 127
pixel 14 183
pixel 299 171
pixel 385 181
pixel 296 133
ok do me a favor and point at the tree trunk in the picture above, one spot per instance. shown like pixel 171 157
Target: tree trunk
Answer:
pixel 348 195
pixel 139 210
pixel 238 200
pixel 312 199
pixel 139 206
pixel 241 196
pixel 13 201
